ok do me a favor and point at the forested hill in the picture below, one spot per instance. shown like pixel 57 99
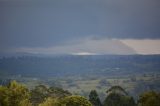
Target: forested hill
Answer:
pixel 43 66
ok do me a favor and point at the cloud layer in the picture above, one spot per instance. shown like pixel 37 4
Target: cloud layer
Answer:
pixel 87 46
pixel 55 23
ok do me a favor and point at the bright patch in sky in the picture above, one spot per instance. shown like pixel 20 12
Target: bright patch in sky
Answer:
pixel 84 53
pixel 146 46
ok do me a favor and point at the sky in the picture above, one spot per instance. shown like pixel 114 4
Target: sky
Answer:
pixel 80 26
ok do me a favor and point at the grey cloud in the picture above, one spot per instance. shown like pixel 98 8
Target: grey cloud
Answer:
pixel 87 46
pixel 49 23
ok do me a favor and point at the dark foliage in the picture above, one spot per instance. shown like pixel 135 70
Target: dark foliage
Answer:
pixel 94 98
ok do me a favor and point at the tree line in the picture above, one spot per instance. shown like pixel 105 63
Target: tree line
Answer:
pixel 16 94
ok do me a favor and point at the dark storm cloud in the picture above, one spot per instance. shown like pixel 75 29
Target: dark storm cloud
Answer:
pixel 49 23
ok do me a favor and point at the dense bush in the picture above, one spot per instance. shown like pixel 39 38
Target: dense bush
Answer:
pixel 149 98
pixel 15 94
pixel 94 98
pixel 51 102
pixel 115 99
pixel 76 101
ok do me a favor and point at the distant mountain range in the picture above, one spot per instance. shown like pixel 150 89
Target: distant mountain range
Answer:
pixel 69 65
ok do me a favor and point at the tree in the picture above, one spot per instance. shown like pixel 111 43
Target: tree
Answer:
pixel 115 99
pixel 14 94
pixel 117 89
pixel 58 92
pixel 41 92
pixel 25 102
pixel 117 96
pixel 4 96
pixel 38 94
pixel 50 102
pixel 94 98
pixel 150 98
pixel 75 101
